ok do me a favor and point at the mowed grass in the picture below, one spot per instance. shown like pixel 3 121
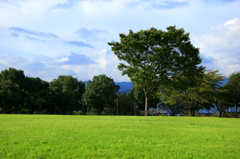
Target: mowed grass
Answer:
pixel 59 136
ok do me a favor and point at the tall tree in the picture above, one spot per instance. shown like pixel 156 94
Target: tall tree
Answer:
pixel 100 93
pixel 126 104
pixel 35 95
pixel 233 87
pixel 222 100
pixel 152 57
pixel 12 84
pixel 66 94
pixel 170 100
pixel 139 97
pixel 10 95
pixel 200 95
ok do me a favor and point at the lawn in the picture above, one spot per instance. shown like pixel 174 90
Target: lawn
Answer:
pixel 69 136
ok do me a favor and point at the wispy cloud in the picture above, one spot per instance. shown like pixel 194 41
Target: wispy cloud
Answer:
pixel 68 4
pixel 169 5
pixel 162 5
pixel 79 44
pixel 14 34
pixel 31 38
pixel 77 59
pixel 91 34
pixel 35 33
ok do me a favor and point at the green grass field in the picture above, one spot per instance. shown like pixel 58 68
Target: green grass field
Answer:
pixel 55 136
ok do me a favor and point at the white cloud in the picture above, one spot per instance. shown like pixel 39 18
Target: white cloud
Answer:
pixel 222 44
pixel 63 59
pixel 48 38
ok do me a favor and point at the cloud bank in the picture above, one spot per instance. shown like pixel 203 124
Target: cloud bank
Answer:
pixel 69 37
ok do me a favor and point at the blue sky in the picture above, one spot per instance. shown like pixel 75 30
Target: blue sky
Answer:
pixel 47 38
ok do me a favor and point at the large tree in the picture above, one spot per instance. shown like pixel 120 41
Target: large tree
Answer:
pixel 12 84
pixel 35 95
pixel 100 94
pixel 152 57
pixel 201 95
pixel 126 103
pixel 139 97
pixel 66 94
pixel 222 100
pixel 233 88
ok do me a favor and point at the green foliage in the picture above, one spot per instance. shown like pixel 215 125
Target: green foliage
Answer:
pixel 79 112
pixel 35 96
pixel 11 90
pixel 91 111
pixel 66 93
pixel 201 95
pixel 153 57
pixel 233 89
pixel 125 103
pixel 58 136
pixel 100 93
pixel 41 111
pixel 231 115
pixel 139 96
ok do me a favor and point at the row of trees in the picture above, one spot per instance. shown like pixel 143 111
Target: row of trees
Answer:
pixel 163 65
pixel 64 95
pixel 68 95
pixel 207 93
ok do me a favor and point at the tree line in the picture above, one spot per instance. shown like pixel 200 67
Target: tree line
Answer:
pixel 20 94
pixel 164 67
pixel 64 95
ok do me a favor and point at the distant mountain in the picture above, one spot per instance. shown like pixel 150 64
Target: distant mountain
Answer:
pixel 124 86
pixel 127 86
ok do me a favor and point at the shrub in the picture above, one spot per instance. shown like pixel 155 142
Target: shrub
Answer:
pixel 77 112
pixel 92 111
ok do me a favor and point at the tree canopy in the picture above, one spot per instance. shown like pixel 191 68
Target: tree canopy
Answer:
pixel 153 57
pixel 233 88
pixel 66 93
pixel 100 94
pixel 201 95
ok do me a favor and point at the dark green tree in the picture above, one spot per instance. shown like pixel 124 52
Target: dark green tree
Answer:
pixel 66 94
pixel 126 103
pixel 233 88
pixel 222 100
pixel 10 96
pixel 100 94
pixel 152 57
pixel 12 84
pixel 170 100
pixel 201 95
pixel 35 95
pixel 139 97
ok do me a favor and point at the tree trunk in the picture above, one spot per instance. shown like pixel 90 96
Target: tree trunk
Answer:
pixel 191 111
pixel 134 108
pixel 220 114
pixel 146 103
pixel 236 110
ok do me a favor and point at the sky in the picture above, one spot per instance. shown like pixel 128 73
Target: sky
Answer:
pixel 48 38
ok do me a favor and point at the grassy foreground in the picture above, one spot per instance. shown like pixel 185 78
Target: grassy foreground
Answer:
pixel 55 136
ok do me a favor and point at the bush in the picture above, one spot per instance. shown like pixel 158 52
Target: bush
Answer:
pixel 91 111
pixel 231 115
pixel 44 111
pixel 77 112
